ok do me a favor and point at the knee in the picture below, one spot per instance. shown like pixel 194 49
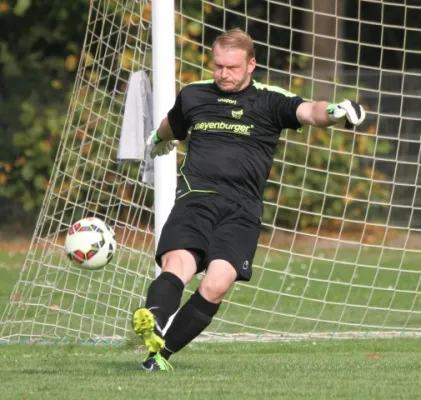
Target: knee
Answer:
pixel 217 281
pixel 210 294
pixel 213 290
pixel 181 263
pixel 171 260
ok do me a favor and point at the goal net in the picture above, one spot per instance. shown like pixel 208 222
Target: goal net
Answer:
pixel 340 244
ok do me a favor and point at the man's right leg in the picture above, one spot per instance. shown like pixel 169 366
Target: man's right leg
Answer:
pixel 163 298
pixel 182 247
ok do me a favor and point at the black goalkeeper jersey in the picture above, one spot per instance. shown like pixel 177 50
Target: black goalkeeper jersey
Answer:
pixel 232 138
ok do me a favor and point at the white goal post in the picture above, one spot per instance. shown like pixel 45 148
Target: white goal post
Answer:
pixel 339 251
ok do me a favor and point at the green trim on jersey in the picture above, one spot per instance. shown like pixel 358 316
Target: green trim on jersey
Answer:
pixel 271 88
pixel 201 82
pixel 181 170
pixel 196 191
pixel 188 184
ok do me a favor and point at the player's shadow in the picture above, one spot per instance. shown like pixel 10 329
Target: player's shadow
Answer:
pixel 136 365
pixel 121 365
pixel 40 371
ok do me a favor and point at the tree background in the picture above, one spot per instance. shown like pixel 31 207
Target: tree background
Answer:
pixel 40 48
pixel 40 45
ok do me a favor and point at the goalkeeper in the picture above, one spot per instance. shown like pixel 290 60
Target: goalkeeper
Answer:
pixel 234 124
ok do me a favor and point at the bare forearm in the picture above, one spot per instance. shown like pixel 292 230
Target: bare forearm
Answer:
pixel 164 131
pixel 314 114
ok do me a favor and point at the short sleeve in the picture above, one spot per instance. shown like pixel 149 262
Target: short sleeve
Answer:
pixel 284 110
pixel 177 119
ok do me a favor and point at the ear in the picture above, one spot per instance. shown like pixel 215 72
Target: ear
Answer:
pixel 251 65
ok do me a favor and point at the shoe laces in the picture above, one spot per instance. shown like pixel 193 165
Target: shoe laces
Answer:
pixel 162 363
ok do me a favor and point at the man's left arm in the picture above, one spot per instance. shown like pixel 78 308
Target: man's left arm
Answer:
pixel 323 114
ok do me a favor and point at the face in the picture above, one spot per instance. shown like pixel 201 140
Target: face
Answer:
pixel 232 70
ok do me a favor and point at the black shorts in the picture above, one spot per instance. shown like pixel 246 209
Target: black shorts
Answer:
pixel 212 227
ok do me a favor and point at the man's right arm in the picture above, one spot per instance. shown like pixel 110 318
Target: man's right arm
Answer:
pixel 164 131
pixel 161 141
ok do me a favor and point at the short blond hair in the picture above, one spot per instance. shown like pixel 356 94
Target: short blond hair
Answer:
pixel 236 39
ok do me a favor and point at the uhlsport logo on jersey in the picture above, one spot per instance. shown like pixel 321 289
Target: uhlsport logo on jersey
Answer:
pixel 237 114
pixel 239 129
pixel 228 101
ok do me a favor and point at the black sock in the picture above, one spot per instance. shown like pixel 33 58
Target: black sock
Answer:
pixel 164 296
pixel 192 319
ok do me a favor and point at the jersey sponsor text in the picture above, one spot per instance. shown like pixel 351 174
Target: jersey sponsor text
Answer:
pixel 239 129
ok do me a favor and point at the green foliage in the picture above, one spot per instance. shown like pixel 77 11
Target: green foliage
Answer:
pixel 35 146
pixel 40 45
pixel 40 42
pixel 90 176
pixel 326 175
pixel 39 66
pixel 322 177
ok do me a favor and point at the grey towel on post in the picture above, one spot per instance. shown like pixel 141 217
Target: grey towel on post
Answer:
pixel 137 124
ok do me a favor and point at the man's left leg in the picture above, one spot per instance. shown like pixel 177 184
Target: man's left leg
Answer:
pixel 197 313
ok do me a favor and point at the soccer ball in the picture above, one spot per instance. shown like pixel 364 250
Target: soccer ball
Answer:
pixel 90 243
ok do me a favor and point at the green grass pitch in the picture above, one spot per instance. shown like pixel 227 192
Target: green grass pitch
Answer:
pixel 322 369
pixel 360 369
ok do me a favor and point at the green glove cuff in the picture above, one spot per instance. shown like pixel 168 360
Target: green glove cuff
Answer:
pixel 330 108
pixel 155 138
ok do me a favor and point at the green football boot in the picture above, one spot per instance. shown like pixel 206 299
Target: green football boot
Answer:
pixel 156 363
pixel 144 325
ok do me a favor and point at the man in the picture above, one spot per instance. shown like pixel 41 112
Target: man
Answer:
pixel 214 226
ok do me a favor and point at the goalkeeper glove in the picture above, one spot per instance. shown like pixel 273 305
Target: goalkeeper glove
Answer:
pixel 351 112
pixel 158 147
